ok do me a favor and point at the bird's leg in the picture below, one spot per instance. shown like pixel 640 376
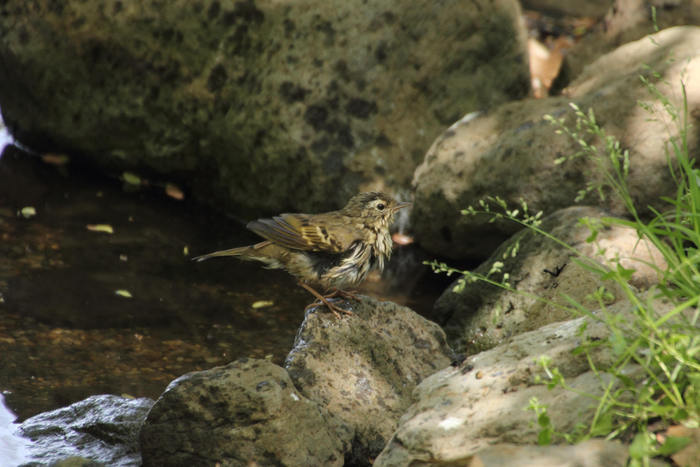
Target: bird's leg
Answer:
pixel 336 310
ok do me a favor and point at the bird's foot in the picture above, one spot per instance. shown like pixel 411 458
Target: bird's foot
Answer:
pixel 324 300
pixel 346 294
pixel 335 309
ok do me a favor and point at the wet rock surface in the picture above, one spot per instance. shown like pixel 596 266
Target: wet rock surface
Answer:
pixel 103 429
pixel 247 411
pixel 255 98
pixel 363 368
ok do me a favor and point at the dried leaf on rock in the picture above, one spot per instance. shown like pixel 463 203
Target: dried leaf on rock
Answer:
pixel 174 191
pixel 55 159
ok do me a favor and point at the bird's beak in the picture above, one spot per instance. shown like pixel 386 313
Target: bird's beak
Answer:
pixel 401 205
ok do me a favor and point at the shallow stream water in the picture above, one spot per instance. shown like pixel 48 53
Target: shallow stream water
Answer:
pixel 84 311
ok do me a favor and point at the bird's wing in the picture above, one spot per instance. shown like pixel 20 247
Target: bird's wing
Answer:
pixel 306 232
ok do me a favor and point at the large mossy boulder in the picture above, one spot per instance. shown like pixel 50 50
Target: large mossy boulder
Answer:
pixel 265 105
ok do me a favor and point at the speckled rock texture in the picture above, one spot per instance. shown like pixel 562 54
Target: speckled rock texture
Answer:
pixel 511 151
pixel 363 368
pixel 100 430
pixel 466 408
pixel 270 104
pixel 558 8
pixel 590 453
pixel 245 412
pixel 478 316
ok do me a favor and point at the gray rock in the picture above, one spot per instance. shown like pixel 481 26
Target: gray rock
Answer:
pixel 510 152
pixel 591 453
pixel 247 411
pixel 363 368
pixel 462 410
pixel 256 97
pixel 480 316
pixel 100 430
pixel 625 21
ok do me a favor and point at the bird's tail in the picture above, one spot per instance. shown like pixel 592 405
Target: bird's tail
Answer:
pixel 230 252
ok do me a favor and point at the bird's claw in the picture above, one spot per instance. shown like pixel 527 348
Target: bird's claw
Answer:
pixel 336 310
pixel 324 300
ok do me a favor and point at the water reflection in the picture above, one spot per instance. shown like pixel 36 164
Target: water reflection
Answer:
pixel 83 311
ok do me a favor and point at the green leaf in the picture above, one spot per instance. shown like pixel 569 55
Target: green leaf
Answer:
pixel 661 410
pixel 608 276
pixel 625 273
pixel 619 344
pixel 626 380
pixel 603 426
pixel 592 237
pixel 673 444
pixel 641 446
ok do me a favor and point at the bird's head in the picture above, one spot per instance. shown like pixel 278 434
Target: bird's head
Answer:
pixel 374 207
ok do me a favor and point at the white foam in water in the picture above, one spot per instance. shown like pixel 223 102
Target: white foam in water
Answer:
pixel 5 137
pixel 13 448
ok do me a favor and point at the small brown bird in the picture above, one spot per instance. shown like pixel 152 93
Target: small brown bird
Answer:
pixel 332 250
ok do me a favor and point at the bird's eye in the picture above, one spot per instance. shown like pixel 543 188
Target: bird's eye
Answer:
pixel 380 206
